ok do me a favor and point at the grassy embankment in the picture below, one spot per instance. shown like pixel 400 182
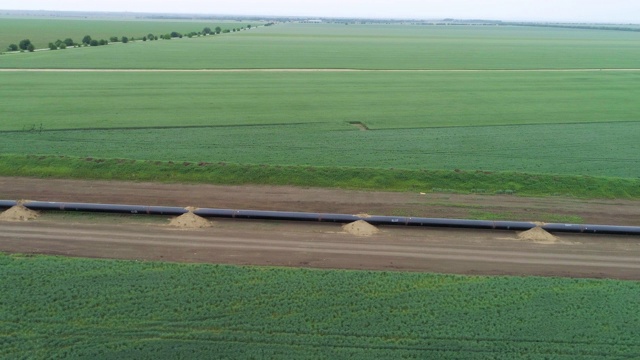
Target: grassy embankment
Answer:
pixel 124 309
pixel 556 129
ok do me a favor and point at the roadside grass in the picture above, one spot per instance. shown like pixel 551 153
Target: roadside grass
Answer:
pixel 338 46
pixel 327 177
pixel 43 31
pixel 83 308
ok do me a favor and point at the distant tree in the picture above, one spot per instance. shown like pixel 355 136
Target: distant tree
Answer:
pixel 86 40
pixel 31 48
pixel 175 34
pixel 103 42
pixel 125 39
pixel 58 42
pixel 113 39
pixel 24 44
pixel 150 36
pixel 94 42
pixel 144 38
pixel 226 31
pixel 155 38
pixel 206 31
pixel 68 42
pixel 13 47
pixel 218 29
pixel 63 46
pixel 166 36
pixel 52 46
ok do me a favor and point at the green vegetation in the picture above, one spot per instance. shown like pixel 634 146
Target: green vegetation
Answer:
pixel 522 125
pixel 378 99
pixel 43 31
pixel 359 47
pixel 61 307
pixel 343 177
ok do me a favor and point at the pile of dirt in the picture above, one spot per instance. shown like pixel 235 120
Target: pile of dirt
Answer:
pixel 18 213
pixel 360 228
pixel 363 215
pixel 537 234
pixel 190 220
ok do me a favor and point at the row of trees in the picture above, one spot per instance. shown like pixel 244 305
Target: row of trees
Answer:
pixel 26 45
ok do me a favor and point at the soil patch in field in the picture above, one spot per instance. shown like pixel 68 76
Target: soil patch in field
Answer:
pixel 360 228
pixel 190 220
pixel 18 213
pixel 359 125
pixel 537 234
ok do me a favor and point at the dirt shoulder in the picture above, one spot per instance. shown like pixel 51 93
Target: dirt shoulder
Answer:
pixel 288 198
pixel 318 245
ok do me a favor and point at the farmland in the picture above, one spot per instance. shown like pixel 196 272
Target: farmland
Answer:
pixel 569 119
pixel 359 47
pixel 131 309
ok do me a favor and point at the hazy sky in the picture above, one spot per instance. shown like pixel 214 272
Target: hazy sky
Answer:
pixel 561 10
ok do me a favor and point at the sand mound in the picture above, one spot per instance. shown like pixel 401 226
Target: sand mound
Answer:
pixel 360 228
pixel 190 221
pixel 363 215
pixel 537 234
pixel 18 213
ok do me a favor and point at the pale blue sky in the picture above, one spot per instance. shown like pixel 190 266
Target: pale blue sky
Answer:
pixel 627 11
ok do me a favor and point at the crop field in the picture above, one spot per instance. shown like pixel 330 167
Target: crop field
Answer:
pixel 357 47
pixel 124 309
pixel 43 31
pixel 579 117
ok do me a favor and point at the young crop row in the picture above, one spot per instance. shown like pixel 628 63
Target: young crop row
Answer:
pixel 571 149
pixel 74 307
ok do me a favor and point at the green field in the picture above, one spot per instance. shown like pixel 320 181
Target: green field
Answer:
pixel 360 47
pixel 120 309
pixel 43 31
pixel 517 124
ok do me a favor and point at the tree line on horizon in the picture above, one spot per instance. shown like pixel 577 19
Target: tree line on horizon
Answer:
pixel 87 40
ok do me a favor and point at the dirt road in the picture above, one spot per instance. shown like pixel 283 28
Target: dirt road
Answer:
pixel 321 245
pixel 288 198
pixel 326 246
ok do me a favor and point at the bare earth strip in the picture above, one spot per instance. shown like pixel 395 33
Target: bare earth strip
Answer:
pixel 289 198
pixel 319 70
pixel 325 246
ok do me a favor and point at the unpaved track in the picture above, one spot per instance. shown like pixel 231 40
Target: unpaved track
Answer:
pixel 289 198
pixel 325 246
pixel 321 70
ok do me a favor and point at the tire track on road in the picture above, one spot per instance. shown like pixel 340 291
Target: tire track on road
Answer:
pixel 42 236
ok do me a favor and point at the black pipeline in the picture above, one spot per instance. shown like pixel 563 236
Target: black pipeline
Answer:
pixel 327 217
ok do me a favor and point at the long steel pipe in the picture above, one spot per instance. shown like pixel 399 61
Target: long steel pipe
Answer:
pixel 5 204
pixel 106 208
pixel 327 217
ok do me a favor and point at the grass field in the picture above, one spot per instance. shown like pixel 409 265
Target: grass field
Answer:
pixel 521 124
pixel 43 31
pixel 120 309
pixel 360 47
pixel 379 100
